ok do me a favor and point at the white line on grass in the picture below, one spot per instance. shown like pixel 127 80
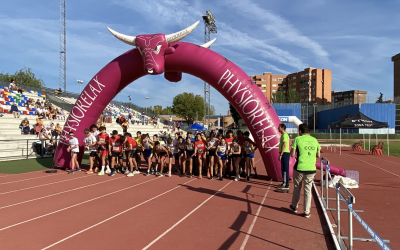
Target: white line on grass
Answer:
pixel 176 224
pixel 63 209
pixel 374 165
pixel 30 179
pixel 63 192
pixel 254 220
pixel 22 189
pixel 112 217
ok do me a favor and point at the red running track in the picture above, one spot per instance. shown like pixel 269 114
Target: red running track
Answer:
pixel 377 195
pixel 61 211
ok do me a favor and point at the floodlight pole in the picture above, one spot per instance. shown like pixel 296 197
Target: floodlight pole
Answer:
pixel 209 27
pixel 315 105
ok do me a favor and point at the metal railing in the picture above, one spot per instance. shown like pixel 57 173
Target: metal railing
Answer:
pixel 30 151
pixel 342 193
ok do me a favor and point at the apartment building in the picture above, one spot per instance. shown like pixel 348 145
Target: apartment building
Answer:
pixel 349 97
pixel 313 85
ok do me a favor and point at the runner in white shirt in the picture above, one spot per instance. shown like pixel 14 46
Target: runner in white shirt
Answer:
pixel 74 149
pixel 90 143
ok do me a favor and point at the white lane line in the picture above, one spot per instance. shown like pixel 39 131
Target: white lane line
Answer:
pixel 374 165
pixel 63 209
pixel 22 189
pixel 396 163
pixel 31 178
pixel 63 192
pixel 255 219
pixel 176 224
pixel 112 217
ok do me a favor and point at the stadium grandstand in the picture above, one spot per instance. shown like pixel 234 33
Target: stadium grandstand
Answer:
pixel 15 143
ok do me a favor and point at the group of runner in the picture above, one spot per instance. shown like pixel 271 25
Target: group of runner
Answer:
pixel 216 156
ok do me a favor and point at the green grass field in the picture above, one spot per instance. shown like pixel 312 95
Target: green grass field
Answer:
pixel 394 146
pixel 25 166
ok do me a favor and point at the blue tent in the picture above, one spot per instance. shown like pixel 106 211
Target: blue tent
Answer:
pixel 196 126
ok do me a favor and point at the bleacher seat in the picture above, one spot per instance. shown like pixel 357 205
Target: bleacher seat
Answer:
pixel 31 113
pixel 8 102
pixel 1 87
pixel 2 103
pixel 33 109
pixel 10 91
pixel 25 113
pixel 19 104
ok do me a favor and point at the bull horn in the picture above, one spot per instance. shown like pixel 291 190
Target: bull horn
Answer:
pixel 208 44
pixel 123 38
pixel 171 38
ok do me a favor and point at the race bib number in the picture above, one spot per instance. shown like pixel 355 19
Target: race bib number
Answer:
pixel 116 148
pixel 201 151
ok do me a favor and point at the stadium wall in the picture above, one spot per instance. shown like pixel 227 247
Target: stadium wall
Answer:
pixel 383 112
pixel 288 109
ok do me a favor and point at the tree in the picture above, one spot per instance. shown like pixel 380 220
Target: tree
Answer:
pixel 292 96
pixel 157 110
pixel 23 76
pixel 278 97
pixel 167 111
pixel 189 106
pixel 235 114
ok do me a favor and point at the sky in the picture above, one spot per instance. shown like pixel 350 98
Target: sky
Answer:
pixel 355 39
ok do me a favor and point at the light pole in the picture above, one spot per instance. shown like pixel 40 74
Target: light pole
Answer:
pixel 146 103
pixel 80 84
pixel 315 105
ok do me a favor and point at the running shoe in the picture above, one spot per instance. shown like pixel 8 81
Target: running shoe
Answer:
pixel 101 173
pixel 293 208
pixel 130 174
pixel 112 173
pixel 211 178
pixel 117 170
pixel 182 175
pixel 307 215
pixel 159 174
pixel 280 186
pixel 284 188
pixel 71 172
pixel 236 178
pixel 220 179
pixel 126 171
pixel 190 176
pixel 96 170
pixel 152 172
pixel 108 171
pixel 78 169
pixel 89 171
pixel 255 176
pixel 200 177
pixel 168 174
pixel 208 175
pixel 147 174
pixel 136 172
pixel 248 178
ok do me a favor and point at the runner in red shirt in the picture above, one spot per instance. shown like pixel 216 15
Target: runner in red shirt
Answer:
pixel 102 142
pixel 131 148
pixel 115 151
pixel 229 138
pixel 199 152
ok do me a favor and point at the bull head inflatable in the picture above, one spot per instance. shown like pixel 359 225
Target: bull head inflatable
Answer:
pixel 154 47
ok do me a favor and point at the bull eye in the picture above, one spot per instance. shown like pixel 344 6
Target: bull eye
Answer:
pixel 157 49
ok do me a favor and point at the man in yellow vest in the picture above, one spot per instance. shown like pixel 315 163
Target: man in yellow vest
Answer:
pixel 284 158
pixel 307 150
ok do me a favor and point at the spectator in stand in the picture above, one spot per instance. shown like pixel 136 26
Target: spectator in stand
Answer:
pixel 39 121
pixel 19 89
pixel 102 118
pixel 1 112
pixel 58 130
pixel 14 110
pixel 37 103
pixel 12 85
pixel 125 125
pixel 24 126
pixel 61 114
pixel 38 128
pixel 47 103
pixel 54 114
pixel 39 113
pixel 58 91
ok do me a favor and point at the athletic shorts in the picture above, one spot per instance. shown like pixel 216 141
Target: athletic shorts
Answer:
pixel 147 152
pixel 223 156
pixel 104 152
pixel 249 156
pixel 119 155
pixel 163 155
pixel 201 155
pixel 72 153
pixel 131 153
pixel 190 153
pixel 212 153
pixel 93 153
pixel 171 155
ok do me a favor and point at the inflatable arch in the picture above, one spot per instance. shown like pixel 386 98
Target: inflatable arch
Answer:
pixel 157 54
